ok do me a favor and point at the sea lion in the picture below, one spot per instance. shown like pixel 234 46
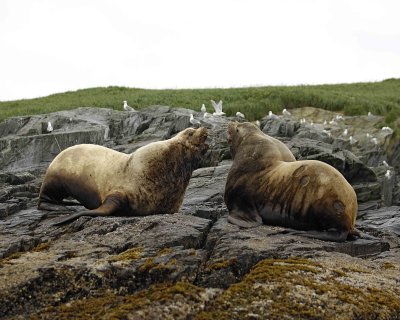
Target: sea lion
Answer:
pixel 151 180
pixel 267 185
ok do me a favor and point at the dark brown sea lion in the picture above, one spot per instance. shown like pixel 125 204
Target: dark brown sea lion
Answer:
pixel 151 180
pixel 267 185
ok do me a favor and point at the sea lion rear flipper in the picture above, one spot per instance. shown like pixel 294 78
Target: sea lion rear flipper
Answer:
pixel 244 219
pixel 329 235
pixel 110 205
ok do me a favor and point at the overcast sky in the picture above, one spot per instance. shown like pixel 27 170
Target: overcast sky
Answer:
pixel 49 46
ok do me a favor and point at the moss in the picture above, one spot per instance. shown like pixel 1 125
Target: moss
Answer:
pixel 8 259
pixel 221 264
pixel 354 269
pixel 41 247
pixel 388 265
pixel 112 306
pixel 300 288
pixel 163 252
pixel 130 254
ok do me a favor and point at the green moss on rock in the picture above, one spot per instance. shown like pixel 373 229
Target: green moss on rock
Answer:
pixel 301 289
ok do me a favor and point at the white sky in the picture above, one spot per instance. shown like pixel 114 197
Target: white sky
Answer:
pixel 49 46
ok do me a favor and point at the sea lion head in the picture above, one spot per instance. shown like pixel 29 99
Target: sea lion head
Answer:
pixel 194 139
pixel 238 132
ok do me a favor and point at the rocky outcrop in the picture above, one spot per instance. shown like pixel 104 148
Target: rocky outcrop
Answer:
pixel 192 264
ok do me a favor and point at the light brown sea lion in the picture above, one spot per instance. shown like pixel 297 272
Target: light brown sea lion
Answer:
pixel 267 185
pixel 151 180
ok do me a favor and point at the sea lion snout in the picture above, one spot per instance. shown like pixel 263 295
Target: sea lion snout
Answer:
pixel 200 136
pixel 231 129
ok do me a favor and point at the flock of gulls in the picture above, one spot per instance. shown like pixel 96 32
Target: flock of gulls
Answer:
pixel 285 113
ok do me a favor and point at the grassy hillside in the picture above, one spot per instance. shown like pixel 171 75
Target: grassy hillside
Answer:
pixel 381 98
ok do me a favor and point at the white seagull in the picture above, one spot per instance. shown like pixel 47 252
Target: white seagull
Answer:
pixel 388 174
pixel 385 164
pixel 286 113
pixel 49 127
pixel 258 124
pixel 271 115
pixel 240 115
pixel 352 140
pixel 339 117
pixel 369 114
pixel 345 132
pixel 128 108
pixel 194 121
pixel 388 129
pixel 218 108
pixel 374 141
pixel 203 108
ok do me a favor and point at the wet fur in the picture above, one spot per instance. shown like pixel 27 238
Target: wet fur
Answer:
pixel 267 185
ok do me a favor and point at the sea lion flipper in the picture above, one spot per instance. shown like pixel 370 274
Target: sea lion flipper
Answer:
pixel 244 219
pixel 329 235
pixel 110 205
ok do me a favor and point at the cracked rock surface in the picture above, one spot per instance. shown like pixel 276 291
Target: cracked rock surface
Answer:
pixel 192 264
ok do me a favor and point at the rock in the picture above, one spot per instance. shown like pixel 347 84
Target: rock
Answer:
pixel 192 264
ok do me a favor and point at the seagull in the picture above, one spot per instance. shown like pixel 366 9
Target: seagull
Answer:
pixel 374 141
pixel 368 135
pixel 303 120
pixel 325 122
pixel 49 127
pixel 332 121
pixel 385 164
pixel 352 140
pixel 271 115
pixel 203 108
pixel 339 117
pixel 286 113
pixel 345 132
pixel 128 108
pixel 218 108
pixel 388 129
pixel 388 174
pixel 194 121
pixel 240 115
pixel 258 124
pixel 326 132
pixel 369 114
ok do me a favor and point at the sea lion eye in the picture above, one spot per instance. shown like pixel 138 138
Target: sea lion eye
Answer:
pixel 190 133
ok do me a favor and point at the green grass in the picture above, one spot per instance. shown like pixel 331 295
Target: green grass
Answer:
pixel 381 98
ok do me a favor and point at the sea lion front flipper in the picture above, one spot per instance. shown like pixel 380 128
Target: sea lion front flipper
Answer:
pixel 110 205
pixel 244 219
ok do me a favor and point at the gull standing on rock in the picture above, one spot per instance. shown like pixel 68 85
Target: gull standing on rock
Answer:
pixel 272 116
pixel 128 108
pixel 388 174
pixel 369 114
pixel 286 113
pixel 385 164
pixel 49 127
pixel 240 115
pixel 194 121
pixel 387 129
pixel 352 140
pixel 203 108
pixel 218 108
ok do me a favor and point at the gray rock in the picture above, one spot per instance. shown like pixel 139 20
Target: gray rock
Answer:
pixel 141 267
